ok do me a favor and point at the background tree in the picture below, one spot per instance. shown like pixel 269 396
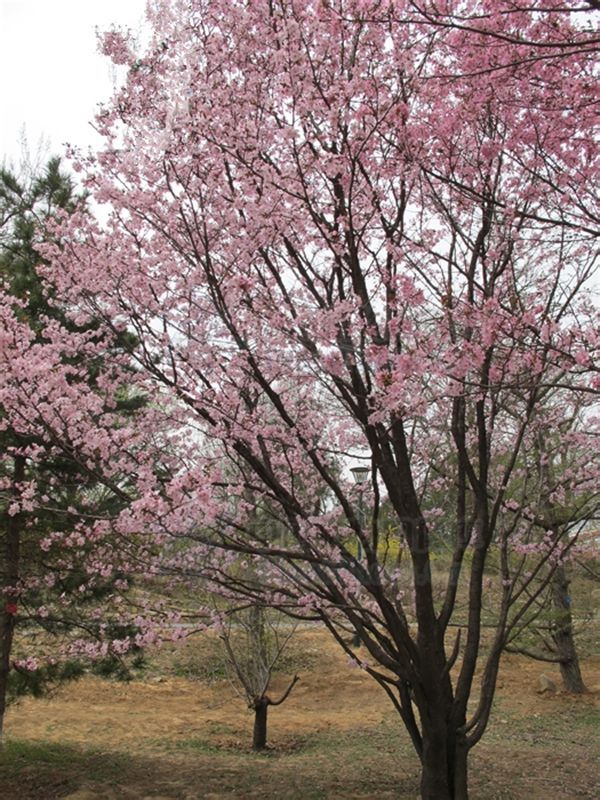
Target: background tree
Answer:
pixel 48 493
pixel 335 230
pixel 253 637
pixel 565 514
pixel 547 631
pixel 254 640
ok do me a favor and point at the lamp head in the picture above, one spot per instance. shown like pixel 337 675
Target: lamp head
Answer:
pixel 360 474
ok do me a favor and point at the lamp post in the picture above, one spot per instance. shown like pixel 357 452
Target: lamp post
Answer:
pixel 360 475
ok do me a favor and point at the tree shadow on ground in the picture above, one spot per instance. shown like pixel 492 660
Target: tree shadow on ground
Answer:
pixel 355 764
pixel 546 758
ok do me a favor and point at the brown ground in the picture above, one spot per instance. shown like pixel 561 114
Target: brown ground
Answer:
pixel 336 737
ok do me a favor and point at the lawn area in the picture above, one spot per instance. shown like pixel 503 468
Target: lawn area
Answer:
pixel 180 733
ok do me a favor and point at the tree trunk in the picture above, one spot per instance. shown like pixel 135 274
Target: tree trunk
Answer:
pixel 6 636
pixel 562 633
pixel 458 770
pixel 259 735
pixel 9 577
pixel 434 772
pixel 444 766
pixel 7 624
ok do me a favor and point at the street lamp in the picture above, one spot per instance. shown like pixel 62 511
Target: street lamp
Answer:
pixel 360 475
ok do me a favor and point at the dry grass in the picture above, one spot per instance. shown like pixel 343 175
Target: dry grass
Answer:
pixel 185 736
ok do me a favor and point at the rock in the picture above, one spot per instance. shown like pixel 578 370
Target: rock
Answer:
pixel 545 684
pixel 87 794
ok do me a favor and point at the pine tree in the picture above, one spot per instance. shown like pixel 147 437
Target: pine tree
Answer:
pixel 43 587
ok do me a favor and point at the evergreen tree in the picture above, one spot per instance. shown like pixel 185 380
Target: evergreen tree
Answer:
pixel 46 491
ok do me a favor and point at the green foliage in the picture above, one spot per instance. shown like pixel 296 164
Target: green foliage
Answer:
pixel 48 677
pixel 42 681
pixel 66 492
pixel 26 209
pixel 111 667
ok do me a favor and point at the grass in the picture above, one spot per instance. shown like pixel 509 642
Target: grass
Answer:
pixel 45 770
pixel 202 658
pixel 361 764
pixel 196 744
pixel 579 725
pixel 536 746
pixel 330 765
pixel 17 754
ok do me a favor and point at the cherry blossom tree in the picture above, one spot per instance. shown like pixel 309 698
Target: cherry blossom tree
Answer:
pixel 355 231
pixel 63 575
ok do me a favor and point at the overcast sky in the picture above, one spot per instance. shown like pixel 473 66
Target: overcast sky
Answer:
pixel 52 76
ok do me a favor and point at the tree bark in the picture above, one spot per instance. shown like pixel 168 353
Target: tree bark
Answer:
pixel 458 769
pixel 562 633
pixel 9 574
pixel 6 637
pixel 434 773
pixel 259 735
pixel 443 770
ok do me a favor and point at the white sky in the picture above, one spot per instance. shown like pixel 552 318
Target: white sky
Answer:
pixel 51 74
